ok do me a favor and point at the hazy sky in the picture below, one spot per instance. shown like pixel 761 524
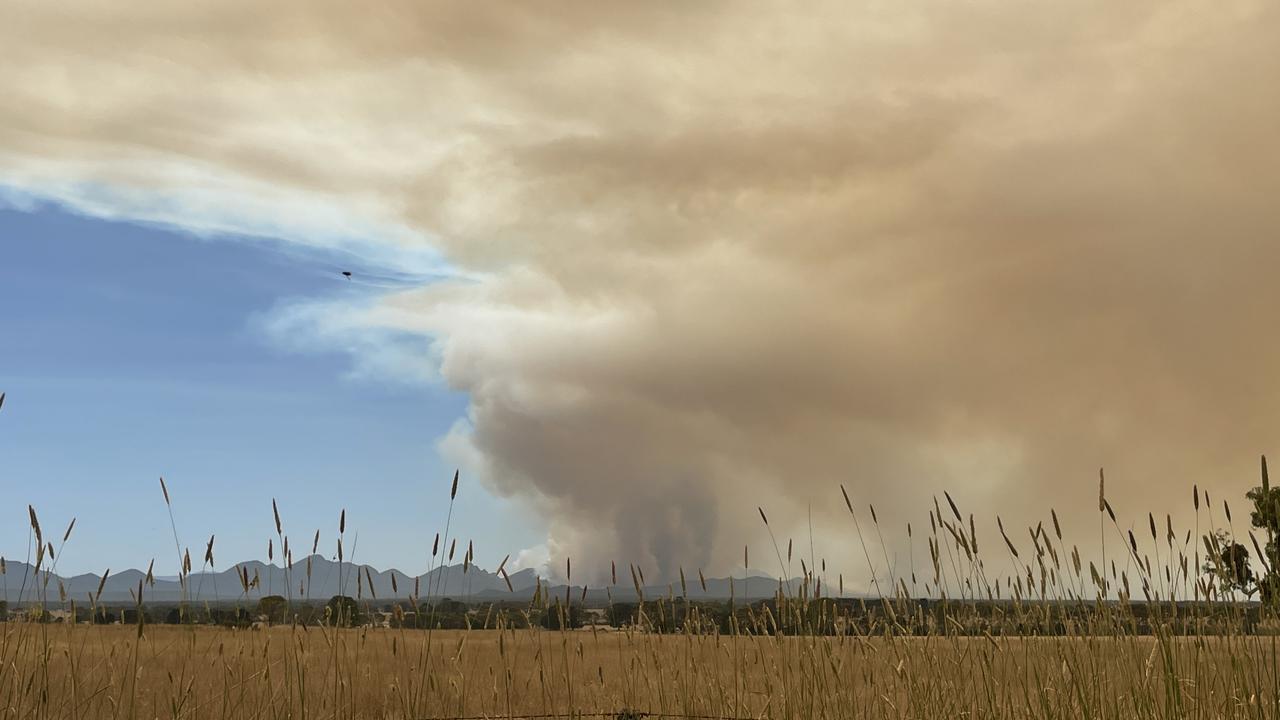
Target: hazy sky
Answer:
pixel 645 266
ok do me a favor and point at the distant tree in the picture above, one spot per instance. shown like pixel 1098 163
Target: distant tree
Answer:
pixel 1266 517
pixel 310 613
pixel 241 617
pixel 622 613
pixel 230 617
pixel 343 611
pixel 4 610
pixel 444 614
pixel 451 606
pixel 1228 561
pixel 558 616
pixel 274 608
pixel 130 616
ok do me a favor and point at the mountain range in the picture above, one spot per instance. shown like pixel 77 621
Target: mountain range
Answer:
pixel 317 578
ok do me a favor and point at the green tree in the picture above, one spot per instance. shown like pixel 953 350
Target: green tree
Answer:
pixel 1266 517
pixel 131 615
pixel 274 608
pixel 343 611
pixel 622 613
pixel 1228 561
pixel 558 616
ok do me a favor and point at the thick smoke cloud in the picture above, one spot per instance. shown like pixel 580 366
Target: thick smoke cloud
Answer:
pixel 713 257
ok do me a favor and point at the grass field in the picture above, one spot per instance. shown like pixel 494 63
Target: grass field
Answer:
pixel 88 671
pixel 1057 639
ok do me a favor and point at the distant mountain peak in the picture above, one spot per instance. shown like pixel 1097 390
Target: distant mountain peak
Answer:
pixel 329 578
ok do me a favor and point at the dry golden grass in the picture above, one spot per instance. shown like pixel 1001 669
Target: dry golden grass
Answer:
pixel 86 671
pixel 1058 645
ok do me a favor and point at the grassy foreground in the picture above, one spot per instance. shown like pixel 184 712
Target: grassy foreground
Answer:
pixel 93 671
pixel 1062 637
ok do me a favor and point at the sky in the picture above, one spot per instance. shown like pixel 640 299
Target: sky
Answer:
pixel 135 352
pixel 640 269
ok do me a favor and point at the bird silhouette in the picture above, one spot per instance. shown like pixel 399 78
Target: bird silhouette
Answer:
pixel 346 274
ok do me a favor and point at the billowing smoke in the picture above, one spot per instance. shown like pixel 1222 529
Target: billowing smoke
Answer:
pixel 714 257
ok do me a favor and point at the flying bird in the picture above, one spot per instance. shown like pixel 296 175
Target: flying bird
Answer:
pixel 365 276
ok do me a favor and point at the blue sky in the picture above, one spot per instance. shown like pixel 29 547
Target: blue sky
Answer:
pixel 129 352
